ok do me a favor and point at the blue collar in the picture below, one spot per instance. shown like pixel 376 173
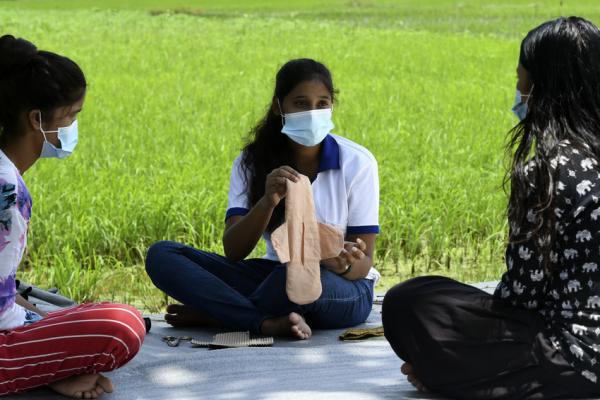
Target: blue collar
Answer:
pixel 330 154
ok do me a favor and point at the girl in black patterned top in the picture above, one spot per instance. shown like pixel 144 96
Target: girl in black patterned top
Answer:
pixel 538 336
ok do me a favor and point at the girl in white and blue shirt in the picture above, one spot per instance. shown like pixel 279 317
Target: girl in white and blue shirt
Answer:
pixel 293 138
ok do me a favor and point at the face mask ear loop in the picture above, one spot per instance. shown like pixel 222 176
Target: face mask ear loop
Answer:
pixel 42 129
pixel 528 95
pixel 281 113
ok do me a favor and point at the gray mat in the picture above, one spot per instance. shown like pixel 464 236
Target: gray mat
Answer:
pixel 320 368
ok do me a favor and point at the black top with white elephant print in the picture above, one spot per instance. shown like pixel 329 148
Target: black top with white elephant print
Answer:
pixel 569 296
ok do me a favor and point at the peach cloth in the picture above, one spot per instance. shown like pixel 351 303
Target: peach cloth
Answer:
pixel 302 243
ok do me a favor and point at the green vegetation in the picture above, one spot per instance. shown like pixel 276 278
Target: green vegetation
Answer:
pixel 175 87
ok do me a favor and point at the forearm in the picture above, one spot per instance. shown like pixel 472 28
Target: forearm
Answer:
pixel 240 238
pixel 357 269
pixel 27 305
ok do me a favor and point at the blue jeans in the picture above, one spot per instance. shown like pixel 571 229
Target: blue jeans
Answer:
pixel 242 294
pixel 31 317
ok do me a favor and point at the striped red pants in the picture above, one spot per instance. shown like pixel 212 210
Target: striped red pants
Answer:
pixel 86 339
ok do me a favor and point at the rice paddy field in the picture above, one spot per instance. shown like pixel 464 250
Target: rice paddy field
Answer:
pixel 176 86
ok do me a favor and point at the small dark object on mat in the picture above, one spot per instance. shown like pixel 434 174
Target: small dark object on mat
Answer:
pixel 173 341
pixel 148 324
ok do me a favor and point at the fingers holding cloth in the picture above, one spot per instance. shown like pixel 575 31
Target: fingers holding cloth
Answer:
pixel 277 183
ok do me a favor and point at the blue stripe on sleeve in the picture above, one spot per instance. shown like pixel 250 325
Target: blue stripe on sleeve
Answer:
pixel 357 230
pixel 235 211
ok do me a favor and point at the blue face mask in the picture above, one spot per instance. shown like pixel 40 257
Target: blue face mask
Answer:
pixel 68 137
pixel 520 106
pixel 308 128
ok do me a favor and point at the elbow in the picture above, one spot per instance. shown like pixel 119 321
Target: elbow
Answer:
pixel 232 256
pixel 234 248
pixel 228 247
pixel 230 252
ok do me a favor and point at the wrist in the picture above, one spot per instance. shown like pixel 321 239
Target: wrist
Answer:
pixel 266 204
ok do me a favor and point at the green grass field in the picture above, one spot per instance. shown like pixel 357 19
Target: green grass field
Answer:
pixel 175 87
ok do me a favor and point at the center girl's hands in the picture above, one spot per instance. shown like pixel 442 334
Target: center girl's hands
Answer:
pixel 276 184
pixel 350 254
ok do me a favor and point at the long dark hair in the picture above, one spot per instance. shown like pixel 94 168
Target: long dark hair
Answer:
pixel 562 58
pixel 34 79
pixel 269 148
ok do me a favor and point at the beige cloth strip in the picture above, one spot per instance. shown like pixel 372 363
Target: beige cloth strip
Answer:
pixel 302 243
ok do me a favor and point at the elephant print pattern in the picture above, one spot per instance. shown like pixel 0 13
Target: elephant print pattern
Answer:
pixel 567 294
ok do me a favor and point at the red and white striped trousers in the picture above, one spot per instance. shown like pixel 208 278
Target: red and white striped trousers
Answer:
pixel 85 339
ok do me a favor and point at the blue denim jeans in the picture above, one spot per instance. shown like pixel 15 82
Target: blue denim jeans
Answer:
pixel 243 294
pixel 31 317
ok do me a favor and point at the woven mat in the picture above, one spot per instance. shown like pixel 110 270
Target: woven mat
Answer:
pixel 233 340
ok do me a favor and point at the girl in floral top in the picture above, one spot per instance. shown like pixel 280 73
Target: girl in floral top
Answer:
pixel 538 336
pixel 41 94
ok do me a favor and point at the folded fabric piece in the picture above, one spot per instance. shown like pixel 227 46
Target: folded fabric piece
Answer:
pixel 232 340
pixel 361 333
pixel 302 243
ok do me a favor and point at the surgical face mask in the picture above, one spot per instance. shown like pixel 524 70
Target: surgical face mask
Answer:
pixel 67 136
pixel 520 106
pixel 308 128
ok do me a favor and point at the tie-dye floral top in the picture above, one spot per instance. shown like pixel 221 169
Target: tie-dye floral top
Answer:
pixel 568 297
pixel 15 211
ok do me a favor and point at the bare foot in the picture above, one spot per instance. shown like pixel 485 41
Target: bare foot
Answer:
pixel 288 325
pixel 88 386
pixel 180 315
pixel 407 369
